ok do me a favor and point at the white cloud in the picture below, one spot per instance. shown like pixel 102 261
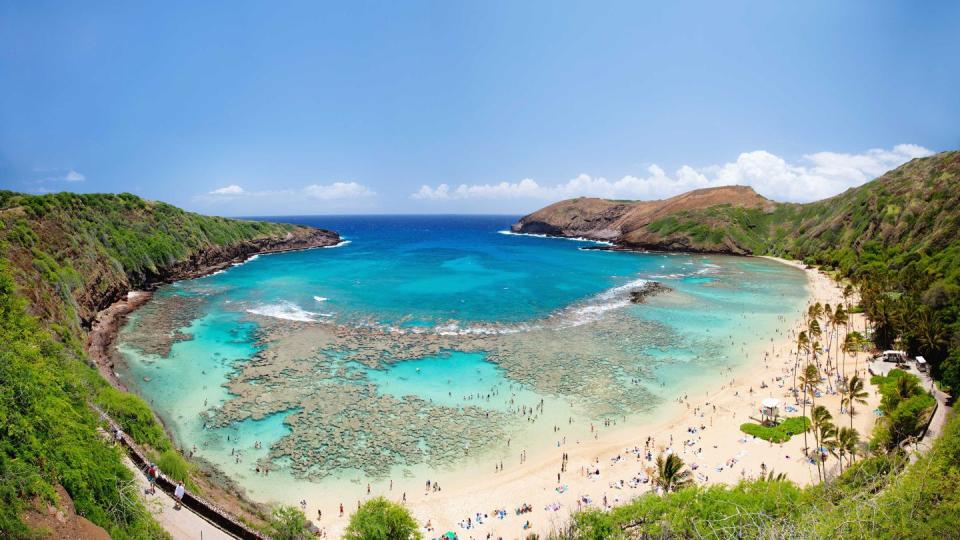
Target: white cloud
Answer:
pixel 818 175
pixel 74 176
pixel 338 190
pixel 232 189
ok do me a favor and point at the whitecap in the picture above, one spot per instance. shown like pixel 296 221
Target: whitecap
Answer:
pixel 341 243
pixel 574 238
pixel 284 310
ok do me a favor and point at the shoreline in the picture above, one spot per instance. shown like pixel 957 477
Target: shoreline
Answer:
pixel 455 504
pixel 101 351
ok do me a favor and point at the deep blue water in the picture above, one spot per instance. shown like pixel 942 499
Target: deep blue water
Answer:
pixel 430 270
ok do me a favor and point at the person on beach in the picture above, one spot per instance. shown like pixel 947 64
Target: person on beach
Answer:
pixel 178 495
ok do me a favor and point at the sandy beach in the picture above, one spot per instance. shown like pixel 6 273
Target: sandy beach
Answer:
pixel 609 469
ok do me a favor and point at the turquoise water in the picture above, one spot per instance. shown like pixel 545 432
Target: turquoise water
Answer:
pixel 424 343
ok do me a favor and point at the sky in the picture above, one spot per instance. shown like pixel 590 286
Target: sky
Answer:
pixel 284 108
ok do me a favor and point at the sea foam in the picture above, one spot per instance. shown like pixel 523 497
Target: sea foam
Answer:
pixel 574 238
pixel 341 243
pixel 285 310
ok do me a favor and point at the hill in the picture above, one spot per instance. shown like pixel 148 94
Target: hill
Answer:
pixel 897 238
pixel 652 224
pixel 63 257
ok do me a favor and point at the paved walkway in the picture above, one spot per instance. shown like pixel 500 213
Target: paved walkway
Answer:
pixel 181 524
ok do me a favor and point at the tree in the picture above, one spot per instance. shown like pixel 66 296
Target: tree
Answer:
pixel 803 345
pixel 905 387
pixel 670 474
pixel 809 380
pixel 838 319
pixel 855 395
pixel 851 344
pixel 846 445
pixel 380 519
pixel 930 334
pixel 823 432
pixel 847 293
pixel 288 523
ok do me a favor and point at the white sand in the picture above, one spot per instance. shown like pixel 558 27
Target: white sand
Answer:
pixel 722 452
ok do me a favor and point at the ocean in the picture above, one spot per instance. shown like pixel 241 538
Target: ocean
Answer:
pixel 434 347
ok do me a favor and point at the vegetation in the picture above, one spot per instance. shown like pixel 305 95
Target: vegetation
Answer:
pixel 906 407
pixel 380 519
pixel 874 498
pixel 671 474
pixel 896 240
pixel 48 433
pixel 287 523
pixel 780 432
pixel 62 257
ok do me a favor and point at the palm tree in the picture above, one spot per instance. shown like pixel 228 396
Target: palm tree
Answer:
pixel 847 293
pixel 823 432
pixel 931 334
pixel 847 440
pixel 671 474
pixel 814 312
pixel 809 380
pixel 803 345
pixel 849 345
pixel 839 319
pixel 815 350
pixel 855 394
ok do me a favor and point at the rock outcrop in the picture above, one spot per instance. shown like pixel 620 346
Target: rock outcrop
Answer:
pixel 646 224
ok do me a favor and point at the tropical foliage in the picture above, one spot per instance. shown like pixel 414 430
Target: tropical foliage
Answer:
pixel 877 497
pixel 381 519
pixel 780 432
pixel 61 256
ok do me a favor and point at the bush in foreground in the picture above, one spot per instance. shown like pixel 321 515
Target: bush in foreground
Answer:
pixel 380 519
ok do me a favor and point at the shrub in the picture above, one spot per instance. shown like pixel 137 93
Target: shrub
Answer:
pixel 779 433
pixel 380 519
pixel 134 416
pixel 287 523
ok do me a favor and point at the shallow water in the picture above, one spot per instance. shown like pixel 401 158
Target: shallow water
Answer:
pixel 423 345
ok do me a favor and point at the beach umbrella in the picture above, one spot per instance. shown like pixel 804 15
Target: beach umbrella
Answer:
pixel 450 534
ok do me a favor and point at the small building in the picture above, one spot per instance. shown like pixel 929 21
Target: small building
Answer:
pixel 769 410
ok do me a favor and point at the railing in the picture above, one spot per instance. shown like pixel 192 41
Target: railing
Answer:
pixel 202 507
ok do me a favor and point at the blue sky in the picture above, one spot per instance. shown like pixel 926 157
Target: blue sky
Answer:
pixel 247 108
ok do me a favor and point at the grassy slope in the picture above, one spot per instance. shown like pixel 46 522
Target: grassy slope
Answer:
pixel 61 258
pixel 897 237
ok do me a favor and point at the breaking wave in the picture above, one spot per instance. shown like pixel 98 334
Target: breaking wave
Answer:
pixel 341 243
pixel 574 238
pixel 287 311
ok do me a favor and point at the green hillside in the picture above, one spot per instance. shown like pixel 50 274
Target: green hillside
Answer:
pixel 62 258
pixel 896 238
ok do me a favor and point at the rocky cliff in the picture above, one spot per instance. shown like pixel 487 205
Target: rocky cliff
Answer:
pixel 72 255
pixel 640 224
